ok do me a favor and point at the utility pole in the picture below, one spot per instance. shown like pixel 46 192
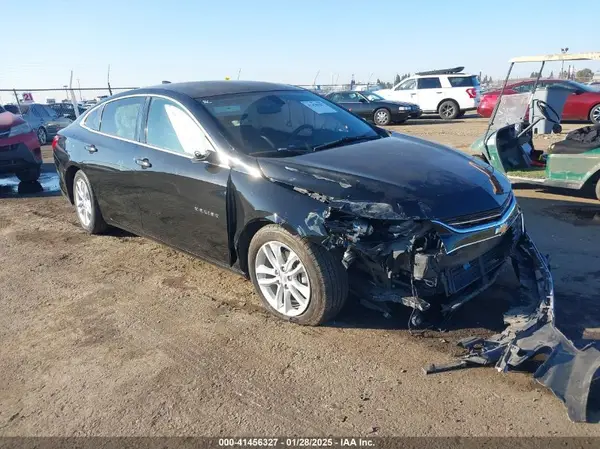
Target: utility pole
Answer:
pixel 239 72
pixel 562 66
pixel 79 86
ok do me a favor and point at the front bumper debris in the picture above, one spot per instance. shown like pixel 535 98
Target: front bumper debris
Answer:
pixel 567 371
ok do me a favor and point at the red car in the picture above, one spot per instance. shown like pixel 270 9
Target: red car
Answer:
pixel 583 104
pixel 20 152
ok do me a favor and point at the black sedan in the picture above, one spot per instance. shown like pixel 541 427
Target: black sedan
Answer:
pixel 374 108
pixel 294 192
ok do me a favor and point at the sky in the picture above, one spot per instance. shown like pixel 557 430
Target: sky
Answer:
pixel 290 41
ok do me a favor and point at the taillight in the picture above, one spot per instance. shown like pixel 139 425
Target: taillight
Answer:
pixel 54 143
pixel 472 93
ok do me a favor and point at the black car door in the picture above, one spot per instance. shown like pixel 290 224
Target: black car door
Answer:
pixel 108 157
pixel 356 103
pixel 184 199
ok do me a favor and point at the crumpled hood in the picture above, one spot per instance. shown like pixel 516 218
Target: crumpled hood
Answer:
pixel 402 176
pixel 8 120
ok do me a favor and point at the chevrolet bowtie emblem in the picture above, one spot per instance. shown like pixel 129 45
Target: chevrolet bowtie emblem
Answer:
pixel 501 229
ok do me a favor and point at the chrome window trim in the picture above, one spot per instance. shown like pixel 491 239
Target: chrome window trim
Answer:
pixel 186 110
pixel 505 217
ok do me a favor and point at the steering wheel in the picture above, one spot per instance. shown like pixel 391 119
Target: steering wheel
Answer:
pixel 545 108
pixel 298 130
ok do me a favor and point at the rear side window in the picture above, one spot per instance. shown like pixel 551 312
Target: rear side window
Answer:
pixel 92 120
pixel 120 117
pixel 2 109
pixel 428 83
pixel 463 81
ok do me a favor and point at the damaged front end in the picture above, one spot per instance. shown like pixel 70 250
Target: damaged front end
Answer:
pixel 428 265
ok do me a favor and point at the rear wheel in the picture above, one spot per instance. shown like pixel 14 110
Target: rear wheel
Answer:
pixel 448 110
pixel 382 117
pixel 42 136
pixel 296 280
pixel 29 175
pixel 88 212
pixel 595 114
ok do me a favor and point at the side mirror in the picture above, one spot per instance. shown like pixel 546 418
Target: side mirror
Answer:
pixel 362 100
pixel 579 91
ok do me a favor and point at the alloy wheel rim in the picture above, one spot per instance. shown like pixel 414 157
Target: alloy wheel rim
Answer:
pixel 447 111
pixel 596 114
pixel 282 279
pixel 381 117
pixel 83 202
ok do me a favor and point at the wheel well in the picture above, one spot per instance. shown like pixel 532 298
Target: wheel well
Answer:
pixel 447 99
pixel 69 176
pixel 590 183
pixel 243 243
pixel 591 109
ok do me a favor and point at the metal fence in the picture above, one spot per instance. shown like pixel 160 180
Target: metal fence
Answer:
pixel 91 94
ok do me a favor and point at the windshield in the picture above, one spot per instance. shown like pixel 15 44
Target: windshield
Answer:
pixel 281 123
pixel 373 97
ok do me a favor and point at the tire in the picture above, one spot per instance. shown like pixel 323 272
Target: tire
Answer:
pixel 595 114
pixel 42 135
pixel 382 117
pixel 324 278
pixel 598 190
pixel 89 215
pixel 29 175
pixel 448 110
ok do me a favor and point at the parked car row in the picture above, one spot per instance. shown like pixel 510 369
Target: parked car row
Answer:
pixel 42 118
pixel 20 152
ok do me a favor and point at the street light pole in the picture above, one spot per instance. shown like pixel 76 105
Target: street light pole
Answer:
pixel 562 66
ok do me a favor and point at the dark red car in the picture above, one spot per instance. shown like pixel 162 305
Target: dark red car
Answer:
pixel 583 104
pixel 20 152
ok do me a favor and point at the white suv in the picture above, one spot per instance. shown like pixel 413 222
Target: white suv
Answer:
pixel 445 92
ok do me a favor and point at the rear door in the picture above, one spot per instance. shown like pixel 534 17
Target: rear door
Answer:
pixel 184 199
pixel 108 157
pixel 430 93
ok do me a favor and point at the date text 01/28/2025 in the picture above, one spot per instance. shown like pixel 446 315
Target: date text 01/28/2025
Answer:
pixel 296 442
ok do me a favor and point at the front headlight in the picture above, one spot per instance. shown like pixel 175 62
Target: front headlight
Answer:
pixel 23 128
pixel 404 108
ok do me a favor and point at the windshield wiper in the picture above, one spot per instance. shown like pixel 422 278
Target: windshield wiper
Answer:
pixel 344 141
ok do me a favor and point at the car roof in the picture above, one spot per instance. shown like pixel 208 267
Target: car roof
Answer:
pixel 200 89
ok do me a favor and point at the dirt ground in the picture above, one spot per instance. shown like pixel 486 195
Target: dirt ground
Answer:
pixel 118 335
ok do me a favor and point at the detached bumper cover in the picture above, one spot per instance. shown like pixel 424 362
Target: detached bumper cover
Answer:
pixel 567 371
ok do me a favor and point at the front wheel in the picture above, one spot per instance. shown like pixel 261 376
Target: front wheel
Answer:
pixel 382 117
pixel 88 212
pixel 296 280
pixel 595 114
pixel 29 175
pixel 448 110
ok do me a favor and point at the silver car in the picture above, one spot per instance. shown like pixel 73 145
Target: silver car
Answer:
pixel 42 119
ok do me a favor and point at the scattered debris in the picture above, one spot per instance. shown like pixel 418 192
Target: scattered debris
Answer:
pixel 567 370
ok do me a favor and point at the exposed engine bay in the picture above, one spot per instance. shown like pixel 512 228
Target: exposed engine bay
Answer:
pixel 420 263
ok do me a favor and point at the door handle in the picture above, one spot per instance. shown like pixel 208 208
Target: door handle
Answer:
pixel 439 92
pixel 91 148
pixel 144 163
pixel 412 95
